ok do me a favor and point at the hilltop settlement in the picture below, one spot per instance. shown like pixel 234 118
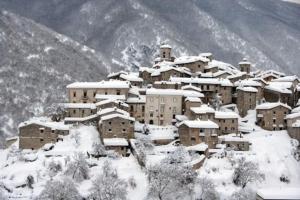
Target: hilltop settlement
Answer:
pixel 195 102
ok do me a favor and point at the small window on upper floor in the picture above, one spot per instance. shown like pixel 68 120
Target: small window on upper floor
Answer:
pixel 85 93
pixel 74 94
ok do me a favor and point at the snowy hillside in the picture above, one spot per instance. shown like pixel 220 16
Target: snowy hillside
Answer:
pixel 35 66
pixel 128 32
pixel 271 151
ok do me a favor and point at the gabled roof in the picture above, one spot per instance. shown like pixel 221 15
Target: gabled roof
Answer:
pixel 247 82
pixel 248 89
pixel 191 87
pixel 226 115
pixel 111 116
pixel 268 106
pixel 193 99
pixel 49 124
pixel 281 87
pixel 131 77
pixel 199 124
pixel 115 142
pixel 189 59
pixel 112 110
pixel 202 109
pixel 286 79
pixel 107 101
pixel 80 106
pixel 208 81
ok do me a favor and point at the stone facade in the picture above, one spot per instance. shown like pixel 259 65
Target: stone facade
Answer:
pixel 227 123
pixel 34 135
pixel 271 116
pixel 137 108
pixel 246 100
pixel 162 107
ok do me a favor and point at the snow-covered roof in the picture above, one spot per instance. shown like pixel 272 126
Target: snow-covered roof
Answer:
pixel 247 83
pixel 49 124
pixel 208 81
pixel 281 87
pixel 165 82
pixel 131 77
pixel 267 106
pixel 147 69
pixel 110 96
pixel 165 46
pixel 226 115
pixel 199 124
pixel 198 147
pixel 191 93
pixel 193 99
pixel 80 106
pixel 222 66
pixel 165 68
pixel 247 89
pixel 244 62
pixel 116 74
pixel 293 116
pixel 139 99
pixel 117 115
pixel 286 79
pixel 296 124
pixel 206 54
pixel 107 101
pixel 189 59
pixel 80 119
pixel 279 193
pixel 202 109
pixel 102 84
pixel 296 110
pixel 264 74
pixel 191 87
pixel 236 75
pixel 232 138
pixel 110 110
pixel 115 142
pixel 181 118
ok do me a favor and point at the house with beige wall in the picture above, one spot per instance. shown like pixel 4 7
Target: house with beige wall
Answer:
pixel 118 145
pixel 162 105
pixel 227 121
pixel 194 63
pixel 203 112
pixel 85 92
pixel 272 116
pixel 111 103
pixel 293 125
pixel 77 110
pixel 137 107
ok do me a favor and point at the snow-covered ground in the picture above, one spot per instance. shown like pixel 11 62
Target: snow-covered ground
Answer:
pixel 272 151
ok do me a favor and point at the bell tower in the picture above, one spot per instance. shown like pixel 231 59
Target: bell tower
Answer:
pixel 165 52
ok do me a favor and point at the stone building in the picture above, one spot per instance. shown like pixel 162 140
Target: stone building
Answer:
pixel 137 107
pixel 251 83
pixel 227 122
pixel 166 85
pixel 194 63
pixel 280 91
pixel 192 132
pixel 133 79
pixel 190 102
pixel 118 145
pixel 165 53
pixel 35 134
pixel 116 126
pixel 77 110
pixel 162 105
pixel 272 116
pixel 246 99
pixel 245 66
pixel 293 125
pixel 236 143
pixel 203 112
pixel 85 92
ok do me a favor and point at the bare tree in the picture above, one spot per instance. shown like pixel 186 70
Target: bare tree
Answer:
pixel 30 181
pixel 78 168
pixel 171 179
pixel 246 172
pixel 98 149
pixel 208 191
pixel 56 112
pixel 108 185
pixel 58 190
pixel 54 168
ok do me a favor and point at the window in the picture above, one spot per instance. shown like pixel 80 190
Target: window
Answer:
pixel 274 121
pixel 118 92
pixel 131 108
pixel 41 140
pixel 174 110
pixel 161 122
pixel 41 130
pixel 52 131
pixel 143 108
pixel 124 130
pixel 151 99
pixel 109 123
pixel 162 99
pixel 193 139
pixel 84 93
pixel 123 123
pixel 74 94
pixel 151 114
pixel 74 111
pixel 109 130
pixel 162 108
pixel 201 130
pixel 94 94
pixel 233 121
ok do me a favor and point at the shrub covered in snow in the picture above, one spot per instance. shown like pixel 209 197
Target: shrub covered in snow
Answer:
pixel 108 185
pixel 78 168
pixel 244 194
pixel 58 190
pixel 208 191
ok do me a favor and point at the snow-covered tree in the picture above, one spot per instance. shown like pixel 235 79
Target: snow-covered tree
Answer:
pixel 132 182
pixel 30 181
pixel 244 194
pixel 78 168
pixel 54 168
pixel 2 195
pixel 246 172
pixel 108 185
pixel 171 179
pixel 208 191
pixel 56 112
pixel 98 149
pixel 58 190
pixel 217 101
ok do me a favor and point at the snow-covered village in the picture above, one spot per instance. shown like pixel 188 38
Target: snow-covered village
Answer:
pixel 190 127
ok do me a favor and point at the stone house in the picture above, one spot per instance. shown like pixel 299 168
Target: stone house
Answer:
pixel 246 99
pixel 109 111
pixel 85 92
pixel 272 116
pixel 35 134
pixel 190 102
pixel 293 125
pixel 162 105
pixel 192 132
pixel 77 110
pixel 137 107
pixel 280 91
pixel 251 83
pixel 165 72
pixel 133 79
pixel 119 145
pixel 111 103
pixel 194 63
pixel 116 126
pixel 203 112
pixel 245 66
pixel 116 75
pixel 165 53
pixel 227 121
pixel 145 74
pixel 269 75
pixel 236 143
